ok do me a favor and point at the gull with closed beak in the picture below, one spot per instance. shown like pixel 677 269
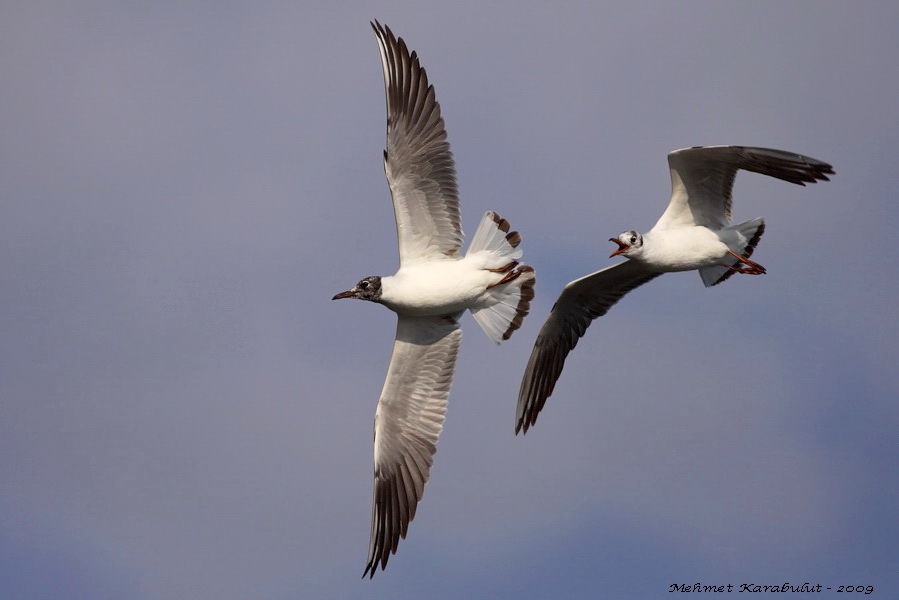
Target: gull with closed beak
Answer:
pixel 434 285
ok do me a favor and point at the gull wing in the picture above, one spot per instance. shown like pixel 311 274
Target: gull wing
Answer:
pixel 418 162
pixel 408 420
pixel 702 179
pixel 581 301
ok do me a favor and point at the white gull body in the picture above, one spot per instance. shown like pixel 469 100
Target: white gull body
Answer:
pixel 442 287
pixel 694 233
pixel 434 285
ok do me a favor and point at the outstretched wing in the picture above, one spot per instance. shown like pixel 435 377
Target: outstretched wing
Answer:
pixel 408 420
pixel 581 301
pixel 702 179
pixel 418 162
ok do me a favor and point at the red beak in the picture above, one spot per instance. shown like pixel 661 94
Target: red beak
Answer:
pixel 346 294
pixel 621 246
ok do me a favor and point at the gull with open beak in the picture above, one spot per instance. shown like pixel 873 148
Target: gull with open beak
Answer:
pixel 694 233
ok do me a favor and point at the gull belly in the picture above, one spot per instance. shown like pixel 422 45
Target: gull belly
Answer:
pixel 685 248
pixel 437 288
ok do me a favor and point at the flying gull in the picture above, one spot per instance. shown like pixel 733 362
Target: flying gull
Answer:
pixel 434 285
pixel 694 233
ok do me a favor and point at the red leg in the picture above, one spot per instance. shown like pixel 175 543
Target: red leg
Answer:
pixel 510 276
pixel 504 269
pixel 752 268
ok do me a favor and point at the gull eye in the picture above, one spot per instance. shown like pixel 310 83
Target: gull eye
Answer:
pixel 363 285
pixel 633 240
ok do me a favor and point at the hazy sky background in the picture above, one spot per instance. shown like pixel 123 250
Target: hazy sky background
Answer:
pixel 185 414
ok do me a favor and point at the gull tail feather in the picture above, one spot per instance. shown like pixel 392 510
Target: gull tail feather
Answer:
pixel 750 232
pixel 508 300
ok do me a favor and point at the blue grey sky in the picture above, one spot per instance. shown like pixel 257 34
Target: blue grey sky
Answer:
pixel 184 413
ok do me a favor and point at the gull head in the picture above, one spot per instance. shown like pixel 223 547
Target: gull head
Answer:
pixel 627 243
pixel 367 289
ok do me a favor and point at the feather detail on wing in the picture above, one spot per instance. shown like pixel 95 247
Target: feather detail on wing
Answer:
pixel 418 162
pixel 702 179
pixel 582 301
pixel 408 421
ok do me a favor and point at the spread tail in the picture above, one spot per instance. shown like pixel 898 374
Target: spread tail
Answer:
pixel 510 298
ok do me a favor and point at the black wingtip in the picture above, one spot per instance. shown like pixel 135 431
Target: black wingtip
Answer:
pixel 524 423
pixel 372 567
pixel 382 31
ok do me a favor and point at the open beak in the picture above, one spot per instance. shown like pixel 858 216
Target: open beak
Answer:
pixel 621 246
pixel 346 294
